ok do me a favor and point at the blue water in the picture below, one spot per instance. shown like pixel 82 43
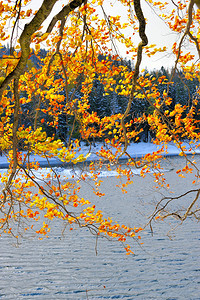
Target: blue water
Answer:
pixel 66 266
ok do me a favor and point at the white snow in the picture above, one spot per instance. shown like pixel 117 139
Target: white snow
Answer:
pixel 134 149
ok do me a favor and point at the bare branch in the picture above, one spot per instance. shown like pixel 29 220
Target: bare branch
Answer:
pixel 161 207
pixel 15 24
pixel 63 13
pixel 144 42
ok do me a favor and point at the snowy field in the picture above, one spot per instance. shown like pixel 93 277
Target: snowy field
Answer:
pixel 136 150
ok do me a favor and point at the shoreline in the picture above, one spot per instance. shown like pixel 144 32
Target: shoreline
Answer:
pixel 53 163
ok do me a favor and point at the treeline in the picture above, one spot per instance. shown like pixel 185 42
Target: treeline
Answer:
pixel 106 103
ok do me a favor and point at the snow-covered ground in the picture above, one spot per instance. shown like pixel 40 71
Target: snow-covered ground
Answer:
pixel 134 149
pixel 142 148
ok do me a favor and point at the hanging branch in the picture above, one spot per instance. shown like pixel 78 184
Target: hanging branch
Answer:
pixel 143 43
pixel 15 24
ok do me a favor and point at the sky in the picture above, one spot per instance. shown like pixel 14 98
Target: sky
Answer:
pixel 157 32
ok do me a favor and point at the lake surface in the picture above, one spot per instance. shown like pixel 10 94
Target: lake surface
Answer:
pixel 66 266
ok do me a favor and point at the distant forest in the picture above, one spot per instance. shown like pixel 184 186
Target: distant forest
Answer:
pixel 110 102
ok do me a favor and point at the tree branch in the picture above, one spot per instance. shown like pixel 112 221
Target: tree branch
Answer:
pixel 30 29
pixel 144 42
pixel 25 41
pixel 63 13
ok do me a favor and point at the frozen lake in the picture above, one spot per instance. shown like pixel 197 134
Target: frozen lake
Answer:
pixel 66 267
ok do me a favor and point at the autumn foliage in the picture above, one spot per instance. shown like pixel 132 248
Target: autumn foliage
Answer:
pixel 82 42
